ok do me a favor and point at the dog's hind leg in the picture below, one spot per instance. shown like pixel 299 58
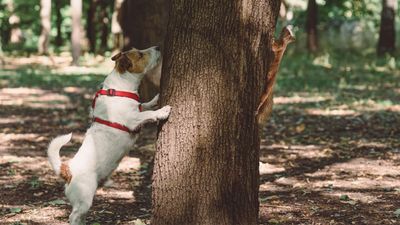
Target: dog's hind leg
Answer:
pixel 80 193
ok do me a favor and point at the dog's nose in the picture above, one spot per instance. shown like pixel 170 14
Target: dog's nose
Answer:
pixel 157 48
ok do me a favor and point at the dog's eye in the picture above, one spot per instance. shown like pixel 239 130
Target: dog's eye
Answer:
pixel 140 55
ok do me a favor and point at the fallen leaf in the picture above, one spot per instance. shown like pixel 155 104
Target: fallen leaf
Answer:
pixel 15 210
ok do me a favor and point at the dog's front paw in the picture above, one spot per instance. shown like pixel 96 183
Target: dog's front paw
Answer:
pixel 163 113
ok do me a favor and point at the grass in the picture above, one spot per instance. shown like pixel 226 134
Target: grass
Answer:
pixel 46 78
pixel 346 78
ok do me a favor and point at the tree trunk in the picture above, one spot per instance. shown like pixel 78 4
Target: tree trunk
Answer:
pixel 104 21
pixel 216 58
pixel 59 39
pixel 45 16
pixel 387 34
pixel 116 29
pixel 91 25
pixel 14 20
pixel 76 8
pixel 143 22
pixel 311 26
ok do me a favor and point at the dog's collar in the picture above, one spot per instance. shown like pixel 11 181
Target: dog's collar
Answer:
pixel 113 92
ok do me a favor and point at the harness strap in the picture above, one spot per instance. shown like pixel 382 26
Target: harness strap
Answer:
pixel 111 124
pixel 113 92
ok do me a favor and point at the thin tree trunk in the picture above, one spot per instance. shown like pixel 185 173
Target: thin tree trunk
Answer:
pixel 387 34
pixel 76 7
pixel 104 21
pixel 311 26
pixel 45 16
pixel 59 38
pixel 215 61
pixel 116 29
pixel 91 25
pixel 14 20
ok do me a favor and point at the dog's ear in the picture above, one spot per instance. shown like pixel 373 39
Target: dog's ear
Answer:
pixel 116 57
pixel 122 62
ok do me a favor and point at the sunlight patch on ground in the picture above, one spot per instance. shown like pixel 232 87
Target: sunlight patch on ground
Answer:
pixel 12 119
pixel 35 215
pixel 266 168
pixel 115 194
pixel 128 164
pixel 363 167
pixel 301 99
pixel 295 152
pixel 332 112
pixel 7 138
pixel 33 97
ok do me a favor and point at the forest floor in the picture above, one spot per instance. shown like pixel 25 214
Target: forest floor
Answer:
pixel 330 154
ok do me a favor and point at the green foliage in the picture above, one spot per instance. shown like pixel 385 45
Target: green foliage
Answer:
pixel 347 77
pixel 47 79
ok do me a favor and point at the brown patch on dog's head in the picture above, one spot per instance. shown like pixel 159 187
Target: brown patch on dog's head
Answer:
pixel 133 61
pixel 122 62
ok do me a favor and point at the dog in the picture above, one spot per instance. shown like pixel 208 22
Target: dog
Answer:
pixel 117 117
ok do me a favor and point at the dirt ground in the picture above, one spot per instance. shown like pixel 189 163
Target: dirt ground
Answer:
pixel 318 166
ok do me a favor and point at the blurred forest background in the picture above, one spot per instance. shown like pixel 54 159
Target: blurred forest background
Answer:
pixel 329 154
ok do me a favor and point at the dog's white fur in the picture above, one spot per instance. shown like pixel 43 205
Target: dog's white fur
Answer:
pixel 103 146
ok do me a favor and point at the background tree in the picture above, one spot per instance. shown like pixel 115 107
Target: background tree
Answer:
pixel 104 21
pixel 143 25
pixel 58 21
pixel 76 12
pixel 143 22
pixel 45 16
pixel 387 34
pixel 311 26
pixel 91 25
pixel 116 29
pixel 14 21
pixel 206 165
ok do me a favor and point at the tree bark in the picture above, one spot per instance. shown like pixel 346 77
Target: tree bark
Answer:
pixel 45 16
pixel 216 57
pixel 311 26
pixel 16 36
pixel 76 7
pixel 91 25
pixel 116 29
pixel 104 21
pixel 59 38
pixel 387 34
pixel 143 22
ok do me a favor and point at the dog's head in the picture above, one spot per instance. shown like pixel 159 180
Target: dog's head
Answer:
pixel 137 61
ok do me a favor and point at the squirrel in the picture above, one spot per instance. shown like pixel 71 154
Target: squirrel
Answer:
pixel 264 108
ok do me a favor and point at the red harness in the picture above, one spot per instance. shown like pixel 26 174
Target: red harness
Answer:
pixel 113 92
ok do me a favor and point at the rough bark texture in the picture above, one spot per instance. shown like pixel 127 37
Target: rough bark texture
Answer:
pixel 387 34
pixel 76 8
pixel 45 14
pixel 216 57
pixel 311 26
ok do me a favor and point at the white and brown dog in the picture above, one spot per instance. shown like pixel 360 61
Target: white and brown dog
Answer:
pixel 117 116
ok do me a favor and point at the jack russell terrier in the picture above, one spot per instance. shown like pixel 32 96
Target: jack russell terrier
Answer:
pixel 117 118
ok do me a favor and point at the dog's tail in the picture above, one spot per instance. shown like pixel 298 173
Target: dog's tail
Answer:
pixel 53 152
